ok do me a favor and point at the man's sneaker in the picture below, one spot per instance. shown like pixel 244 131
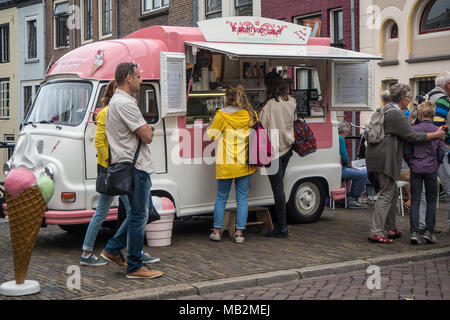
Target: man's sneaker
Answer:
pixel 239 239
pixel 415 238
pixel 116 260
pixel 148 258
pixel 214 236
pixel 145 272
pixel 354 204
pixel 430 237
pixel 92 260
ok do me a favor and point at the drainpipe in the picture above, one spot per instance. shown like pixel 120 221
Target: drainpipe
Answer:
pixel 74 29
pixel 117 19
pixel 352 18
pixel 194 3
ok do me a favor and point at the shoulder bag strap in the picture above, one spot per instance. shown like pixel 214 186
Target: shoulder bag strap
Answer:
pixel 137 152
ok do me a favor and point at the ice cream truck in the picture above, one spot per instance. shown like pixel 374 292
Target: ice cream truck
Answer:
pixel 184 72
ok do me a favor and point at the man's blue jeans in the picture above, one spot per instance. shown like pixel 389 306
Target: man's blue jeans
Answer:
pixel 101 212
pixel 223 190
pixel 131 232
pixel 358 178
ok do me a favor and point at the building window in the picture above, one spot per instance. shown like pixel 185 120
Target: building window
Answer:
pixel 4 99
pixel 425 85
pixel 9 138
pixel 244 7
pixel 213 9
pixel 87 19
pixel 394 32
pixel 336 27
pixel 4 43
pixel 31 39
pixel 435 17
pixel 62 31
pixel 106 17
pixel 149 5
pixel 312 21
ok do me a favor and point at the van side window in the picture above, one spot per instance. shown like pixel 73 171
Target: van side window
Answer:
pixel 100 96
pixel 148 104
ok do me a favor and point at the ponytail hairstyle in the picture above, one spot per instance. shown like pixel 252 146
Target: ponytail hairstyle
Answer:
pixel 109 92
pixel 236 97
pixel 276 87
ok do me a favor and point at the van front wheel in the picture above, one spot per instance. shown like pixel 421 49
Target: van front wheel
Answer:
pixel 307 202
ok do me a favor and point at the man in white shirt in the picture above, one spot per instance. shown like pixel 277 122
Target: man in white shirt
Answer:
pixel 125 126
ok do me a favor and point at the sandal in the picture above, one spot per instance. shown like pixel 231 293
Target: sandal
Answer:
pixel 396 234
pixel 380 239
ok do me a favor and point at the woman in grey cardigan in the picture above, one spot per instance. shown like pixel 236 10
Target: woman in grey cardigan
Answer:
pixel 384 161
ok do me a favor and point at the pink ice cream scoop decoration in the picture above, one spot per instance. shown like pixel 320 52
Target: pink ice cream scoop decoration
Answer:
pixel 18 180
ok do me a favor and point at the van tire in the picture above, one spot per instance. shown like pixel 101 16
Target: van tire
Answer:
pixel 74 228
pixel 306 202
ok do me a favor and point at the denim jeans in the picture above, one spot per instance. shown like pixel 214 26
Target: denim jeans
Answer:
pixel 223 190
pixel 358 179
pixel 277 183
pixel 131 232
pixel 101 212
pixel 431 193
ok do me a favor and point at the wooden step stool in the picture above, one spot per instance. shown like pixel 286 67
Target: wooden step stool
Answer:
pixel 263 220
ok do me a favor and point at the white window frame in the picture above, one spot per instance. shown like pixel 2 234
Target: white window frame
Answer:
pixel 332 12
pixel 313 14
pixel 213 12
pixel 55 46
pixel 154 9
pixel 33 85
pixel 9 138
pixel 3 104
pixel 100 21
pixel 83 41
pixel 31 60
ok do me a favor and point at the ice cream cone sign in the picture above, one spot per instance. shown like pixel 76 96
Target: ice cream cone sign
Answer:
pixel 98 61
pixel 26 201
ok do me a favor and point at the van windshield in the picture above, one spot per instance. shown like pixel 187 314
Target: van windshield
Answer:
pixel 62 103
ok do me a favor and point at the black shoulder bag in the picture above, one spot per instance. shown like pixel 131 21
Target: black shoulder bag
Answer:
pixel 120 176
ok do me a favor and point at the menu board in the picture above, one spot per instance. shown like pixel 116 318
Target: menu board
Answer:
pixel 173 80
pixel 352 86
pixel 301 96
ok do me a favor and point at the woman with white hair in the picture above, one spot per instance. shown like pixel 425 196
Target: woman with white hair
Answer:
pixel 384 160
pixel 356 176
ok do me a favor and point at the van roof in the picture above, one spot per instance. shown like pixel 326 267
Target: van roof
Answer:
pixel 98 60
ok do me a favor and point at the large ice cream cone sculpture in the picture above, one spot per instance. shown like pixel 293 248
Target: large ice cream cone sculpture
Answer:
pixel 25 215
pixel 26 207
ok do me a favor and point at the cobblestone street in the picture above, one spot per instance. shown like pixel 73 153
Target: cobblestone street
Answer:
pixel 408 281
pixel 340 235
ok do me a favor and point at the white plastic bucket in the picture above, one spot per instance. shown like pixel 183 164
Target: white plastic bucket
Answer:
pixel 159 233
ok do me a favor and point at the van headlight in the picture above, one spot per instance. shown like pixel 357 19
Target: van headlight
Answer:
pixel 6 168
pixel 50 172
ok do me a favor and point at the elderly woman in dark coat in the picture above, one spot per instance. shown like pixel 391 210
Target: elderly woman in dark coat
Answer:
pixel 384 161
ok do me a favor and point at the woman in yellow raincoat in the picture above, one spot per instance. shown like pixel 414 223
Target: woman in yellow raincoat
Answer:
pixel 231 128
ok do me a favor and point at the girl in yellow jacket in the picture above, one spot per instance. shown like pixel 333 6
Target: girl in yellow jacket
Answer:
pixel 231 128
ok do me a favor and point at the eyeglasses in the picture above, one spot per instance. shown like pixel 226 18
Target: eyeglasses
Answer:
pixel 132 65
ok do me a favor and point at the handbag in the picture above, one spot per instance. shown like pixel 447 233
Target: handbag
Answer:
pixel 120 176
pixel 260 148
pixel 305 142
pixel 100 183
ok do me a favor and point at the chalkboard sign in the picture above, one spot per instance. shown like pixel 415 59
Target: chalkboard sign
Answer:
pixel 301 96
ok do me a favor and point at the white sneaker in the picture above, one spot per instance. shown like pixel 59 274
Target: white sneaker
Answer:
pixel 239 239
pixel 214 236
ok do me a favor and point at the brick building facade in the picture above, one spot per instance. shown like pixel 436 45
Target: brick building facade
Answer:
pixel 327 18
pixel 86 24
pixel 135 15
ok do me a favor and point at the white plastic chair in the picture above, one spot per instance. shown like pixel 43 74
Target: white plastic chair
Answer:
pixel 400 185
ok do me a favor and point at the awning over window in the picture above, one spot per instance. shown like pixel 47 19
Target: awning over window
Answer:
pixel 256 50
pixel 61 9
